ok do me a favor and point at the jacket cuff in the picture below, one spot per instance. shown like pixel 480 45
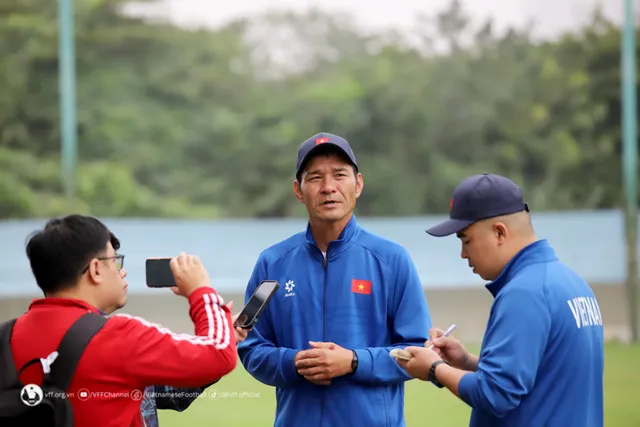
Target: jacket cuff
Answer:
pixel 365 365
pixel 289 370
pixel 467 384
pixel 197 295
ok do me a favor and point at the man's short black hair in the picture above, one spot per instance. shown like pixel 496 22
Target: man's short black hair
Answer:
pixel 60 252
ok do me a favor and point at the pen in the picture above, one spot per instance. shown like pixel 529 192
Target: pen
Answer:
pixel 446 334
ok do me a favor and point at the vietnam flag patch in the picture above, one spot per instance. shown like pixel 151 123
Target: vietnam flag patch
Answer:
pixel 361 286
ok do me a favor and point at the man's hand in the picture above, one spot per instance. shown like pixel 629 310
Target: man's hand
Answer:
pixel 449 348
pixel 420 363
pixel 324 361
pixel 189 273
pixel 241 334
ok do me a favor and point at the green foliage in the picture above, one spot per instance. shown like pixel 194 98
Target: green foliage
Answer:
pixel 202 123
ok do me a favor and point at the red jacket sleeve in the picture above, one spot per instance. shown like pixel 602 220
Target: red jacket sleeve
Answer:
pixel 155 355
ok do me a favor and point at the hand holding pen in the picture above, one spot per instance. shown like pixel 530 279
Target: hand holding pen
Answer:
pixel 445 334
pixel 451 350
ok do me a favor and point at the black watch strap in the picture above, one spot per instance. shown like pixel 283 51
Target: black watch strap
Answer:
pixel 432 373
pixel 354 362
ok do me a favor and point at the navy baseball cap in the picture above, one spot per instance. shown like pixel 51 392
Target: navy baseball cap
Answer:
pixel 323 141
pixel 480 197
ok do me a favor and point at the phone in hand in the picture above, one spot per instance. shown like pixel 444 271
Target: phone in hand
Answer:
pixel 159 274
pixel 249 315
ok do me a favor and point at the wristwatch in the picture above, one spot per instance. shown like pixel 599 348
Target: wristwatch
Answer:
pixel 354 362
pixel 432 373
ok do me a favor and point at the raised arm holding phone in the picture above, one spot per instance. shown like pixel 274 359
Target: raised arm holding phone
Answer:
pixel 161 273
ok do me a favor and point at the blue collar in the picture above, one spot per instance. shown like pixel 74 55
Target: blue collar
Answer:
pixel 345 239
pixel 538 251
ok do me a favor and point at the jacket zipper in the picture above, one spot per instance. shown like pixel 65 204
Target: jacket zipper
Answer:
pixel 324 309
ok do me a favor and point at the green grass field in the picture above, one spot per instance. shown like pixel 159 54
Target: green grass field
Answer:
pixel 242 401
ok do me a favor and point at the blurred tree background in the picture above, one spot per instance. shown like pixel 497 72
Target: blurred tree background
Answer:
pixel 177 122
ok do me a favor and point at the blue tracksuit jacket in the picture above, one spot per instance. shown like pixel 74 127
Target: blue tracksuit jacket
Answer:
pixel 541 363
pixel 327 300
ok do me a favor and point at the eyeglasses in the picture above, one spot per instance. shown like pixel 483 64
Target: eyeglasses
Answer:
pixel 119 261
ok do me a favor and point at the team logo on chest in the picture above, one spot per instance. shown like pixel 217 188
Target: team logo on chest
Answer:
pixel 289 288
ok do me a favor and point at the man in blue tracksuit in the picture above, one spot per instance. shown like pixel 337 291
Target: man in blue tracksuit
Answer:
pixel 347 297
pixel 541 362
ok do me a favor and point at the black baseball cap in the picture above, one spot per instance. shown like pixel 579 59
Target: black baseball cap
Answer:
pixel 322 141
pixel 480 197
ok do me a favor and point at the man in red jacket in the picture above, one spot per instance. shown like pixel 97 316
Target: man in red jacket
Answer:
pixel 76 264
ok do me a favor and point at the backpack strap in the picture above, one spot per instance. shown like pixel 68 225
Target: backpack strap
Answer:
pixel 71 347
pixel 8 376
pixel 73 343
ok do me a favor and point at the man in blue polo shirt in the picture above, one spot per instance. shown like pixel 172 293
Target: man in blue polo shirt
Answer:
pixel 347 297
pixel 541 362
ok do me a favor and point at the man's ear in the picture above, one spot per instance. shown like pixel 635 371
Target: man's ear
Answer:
pixel 94 271
pixel 359 184
pixel 297 191
pixel 501 231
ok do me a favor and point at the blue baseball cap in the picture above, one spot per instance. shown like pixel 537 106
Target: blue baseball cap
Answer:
pixel 480 197
pixel 321 142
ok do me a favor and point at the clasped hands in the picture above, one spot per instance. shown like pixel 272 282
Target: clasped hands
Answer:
pixel 323 361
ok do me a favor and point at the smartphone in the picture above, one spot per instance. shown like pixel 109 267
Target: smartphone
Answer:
pixel 159 274
pixel 257 303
